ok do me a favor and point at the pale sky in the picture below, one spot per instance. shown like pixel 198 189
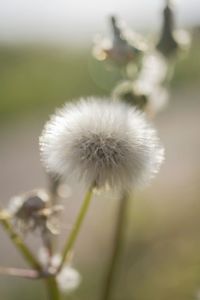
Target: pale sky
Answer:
pixel 79 19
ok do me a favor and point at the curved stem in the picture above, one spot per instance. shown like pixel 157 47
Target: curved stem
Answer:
pixel 117 247
pixel 76 228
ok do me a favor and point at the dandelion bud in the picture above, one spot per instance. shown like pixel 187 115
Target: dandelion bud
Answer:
pixel 172 40
pixel 33 210
pixel 167 44
pixel 124 47
pixel 101 142
pixel 25 207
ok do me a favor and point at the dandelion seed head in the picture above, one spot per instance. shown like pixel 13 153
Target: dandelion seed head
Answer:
pixel 101 142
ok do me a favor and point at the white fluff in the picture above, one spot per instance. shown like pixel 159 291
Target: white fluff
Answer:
pixel 101 142
pixel 68 279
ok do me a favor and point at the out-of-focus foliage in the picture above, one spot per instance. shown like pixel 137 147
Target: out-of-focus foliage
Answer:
pixel 38 79
pixel 41 78
pixel 188 69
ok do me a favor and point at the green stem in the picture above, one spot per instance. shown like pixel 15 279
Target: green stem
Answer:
pixel 53 188
pixel 53 191
pixel 18 242
pixel 117 247
pixel 76 228
pixel 52 288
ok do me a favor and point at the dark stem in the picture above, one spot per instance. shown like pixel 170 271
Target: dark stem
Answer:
pixel 117 247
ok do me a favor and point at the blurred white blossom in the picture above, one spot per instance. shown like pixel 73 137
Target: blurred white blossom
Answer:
pixel 68 279
pixel 147 91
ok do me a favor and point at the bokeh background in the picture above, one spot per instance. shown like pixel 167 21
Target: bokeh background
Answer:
pixel 45 60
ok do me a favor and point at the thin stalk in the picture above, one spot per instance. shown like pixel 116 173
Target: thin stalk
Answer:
pixel 19 243
pixel 52 288
pixel 24 273
pixel 53 188
pixel 117 247
pixel 51 240
pixel 76 228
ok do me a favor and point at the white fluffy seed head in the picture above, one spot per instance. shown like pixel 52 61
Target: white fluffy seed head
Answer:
pixel 101 142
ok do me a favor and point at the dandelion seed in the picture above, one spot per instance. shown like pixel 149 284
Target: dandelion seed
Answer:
pixel 101 142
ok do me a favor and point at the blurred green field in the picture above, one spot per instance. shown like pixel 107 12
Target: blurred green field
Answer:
pixel 38 79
